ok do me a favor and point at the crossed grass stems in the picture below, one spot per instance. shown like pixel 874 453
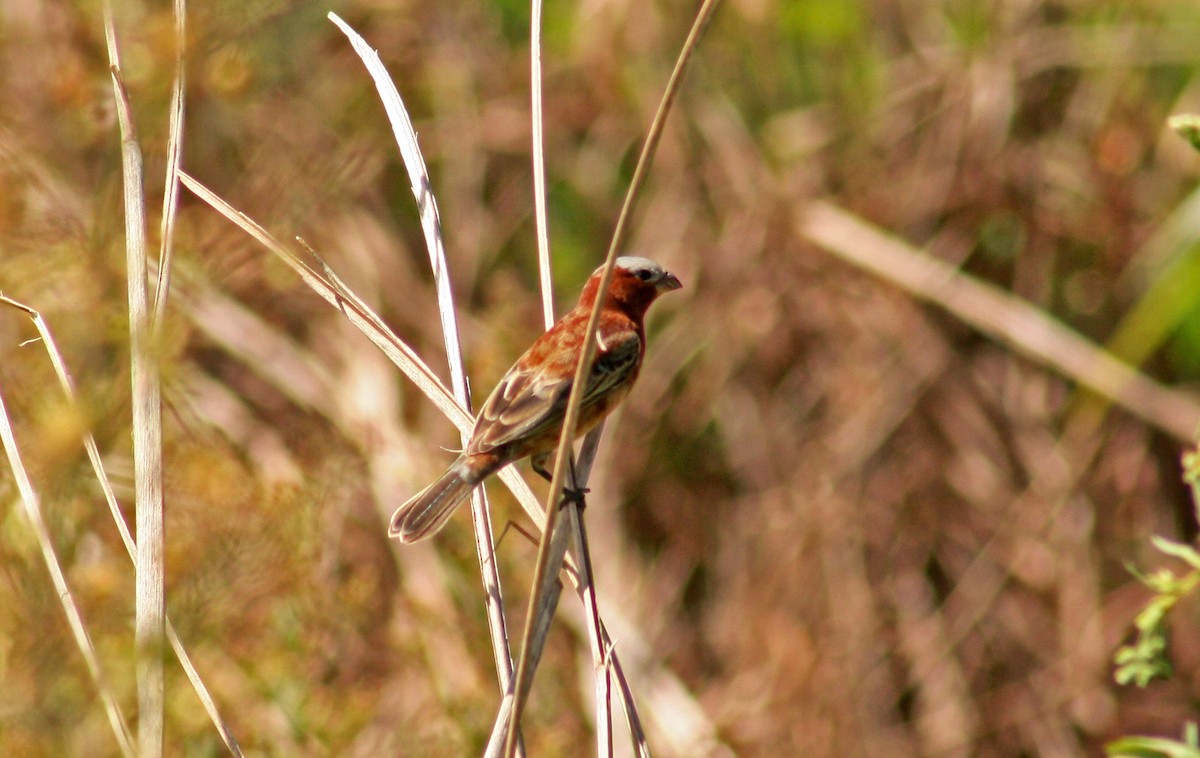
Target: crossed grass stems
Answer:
pixel 822 224
pixel 153 628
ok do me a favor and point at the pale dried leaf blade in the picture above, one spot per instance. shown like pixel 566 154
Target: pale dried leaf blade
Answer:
pixel 539 163
pixel 150 610
pixel 418 174
pixel 363 319
pixel 410 151
pixel 373 328
pixel 174 160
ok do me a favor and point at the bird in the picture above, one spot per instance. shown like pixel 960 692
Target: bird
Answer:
pixel 523 416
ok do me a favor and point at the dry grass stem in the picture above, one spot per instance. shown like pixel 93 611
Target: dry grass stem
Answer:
pixel 586 588
pixel 600 654
pixel 147 428
pixel 174 161
pixel 543 574
pixel 542 615
pixel 410 151
pixel 603 701
pixel 539 163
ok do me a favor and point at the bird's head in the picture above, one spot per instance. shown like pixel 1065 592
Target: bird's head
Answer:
pixel 636 282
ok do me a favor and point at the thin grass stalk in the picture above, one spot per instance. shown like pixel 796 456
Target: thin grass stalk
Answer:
pixel 680 717
pixel 206 698
pixel 542 572
pixel 637 732
pixel 174 159
pixel 603 702
pixel 601 687
pixel 406 139
pixel 500 739
pixel 93 452
pixel 604 653
pixel 147 428
pixel 83 641
pixel 606 661
pixel 539 163
pixel 586 589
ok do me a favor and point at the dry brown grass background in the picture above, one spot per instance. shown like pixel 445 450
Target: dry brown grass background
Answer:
pixel 842 521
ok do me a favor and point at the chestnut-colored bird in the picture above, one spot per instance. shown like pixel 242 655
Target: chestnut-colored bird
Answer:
pixel 524 414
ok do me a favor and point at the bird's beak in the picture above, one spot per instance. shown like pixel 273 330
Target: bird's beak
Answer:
pixel 667 283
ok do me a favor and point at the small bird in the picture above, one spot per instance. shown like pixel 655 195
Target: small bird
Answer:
pixel 524 414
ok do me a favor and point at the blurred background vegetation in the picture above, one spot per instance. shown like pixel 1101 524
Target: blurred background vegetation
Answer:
pixel 845 523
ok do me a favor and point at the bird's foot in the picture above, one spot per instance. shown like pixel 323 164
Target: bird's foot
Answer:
pixel 576 496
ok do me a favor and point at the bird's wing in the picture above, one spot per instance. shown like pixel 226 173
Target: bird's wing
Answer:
pixel 529 400
pixel 616 363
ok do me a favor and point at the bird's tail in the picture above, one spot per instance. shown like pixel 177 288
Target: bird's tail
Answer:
pixel 427 511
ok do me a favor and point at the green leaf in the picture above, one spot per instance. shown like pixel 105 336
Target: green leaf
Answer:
pixel 1187 125
pixel 1156 747
pixel 1141 671
pixel 1178 550
pixel 1191 466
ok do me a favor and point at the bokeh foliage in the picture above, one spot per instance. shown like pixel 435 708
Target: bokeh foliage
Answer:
pixel 843 520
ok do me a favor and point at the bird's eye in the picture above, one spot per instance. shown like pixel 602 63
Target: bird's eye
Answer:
pixel 645 275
